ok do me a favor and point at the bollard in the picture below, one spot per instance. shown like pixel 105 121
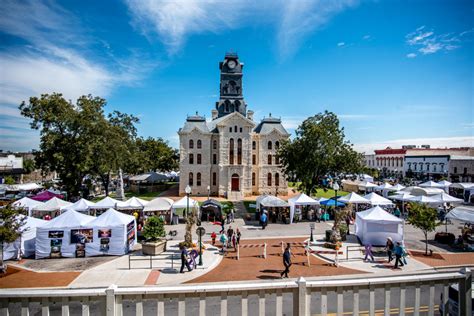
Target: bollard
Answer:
pixel 282 248
pixel 265 250
pixel 238 251
pixel 308 257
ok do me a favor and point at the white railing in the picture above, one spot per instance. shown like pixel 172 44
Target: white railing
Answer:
pixel 271 297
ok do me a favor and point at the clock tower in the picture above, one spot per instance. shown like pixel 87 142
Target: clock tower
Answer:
pixel 231 97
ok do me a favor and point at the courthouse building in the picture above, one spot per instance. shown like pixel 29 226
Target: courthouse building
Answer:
pixel 231 155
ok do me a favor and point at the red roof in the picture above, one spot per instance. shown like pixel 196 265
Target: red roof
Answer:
pixel 390 151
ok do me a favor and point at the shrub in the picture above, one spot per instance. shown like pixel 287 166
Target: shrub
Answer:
pixel 154 229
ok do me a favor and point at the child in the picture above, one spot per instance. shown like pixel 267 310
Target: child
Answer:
pixel 213 237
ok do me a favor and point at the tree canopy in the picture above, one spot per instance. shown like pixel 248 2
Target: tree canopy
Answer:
pixel 424 218
pixel 318 150
pixel 11 226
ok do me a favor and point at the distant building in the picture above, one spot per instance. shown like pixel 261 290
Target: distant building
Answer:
pixel 390 162
pixel 231 154
pixel 427 166
pixel 461 169
pixel 11 165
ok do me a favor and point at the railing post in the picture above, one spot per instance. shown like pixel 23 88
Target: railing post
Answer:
pixel 110 300
pixel 465 292
pixel 265 250
pixel 238 251
pixel 302 299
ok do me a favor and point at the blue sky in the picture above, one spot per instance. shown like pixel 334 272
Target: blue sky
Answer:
pixel 396 72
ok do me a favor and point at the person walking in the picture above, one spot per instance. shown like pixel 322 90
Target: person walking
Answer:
pixel 237 232
pixel 318 215
pixel 223 240
pixel 368 252
pixel 398 255
pixel 230 232
pixel 389 246
pixel 213 237
pixel 348 223
pixel 184 259
pixel 234 241
pixel 263 219
pixel 286 261
pixel 222 225
pixel 232 215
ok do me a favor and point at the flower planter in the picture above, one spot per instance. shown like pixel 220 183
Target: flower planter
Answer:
pixel 153 248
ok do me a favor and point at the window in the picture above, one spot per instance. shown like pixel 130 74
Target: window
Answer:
pixel 277 145
pixel 230 129
pixel 214 178
pixel 269 158
pixel 227 107
pixel 214 144
pixel 214 159
pixel 239 151
pixel 235 129
pixel 434 167
pixel 427 166
pixel 191 159
pixel 277 160
pixel 455 169
pixel 441 167
pixel 269 179
pixel 253 178
pixel 414 166
pixel 190 180
pixel 240 129
pixel 254 145
pixel 231 151
pixel 191 144
pixel 198 179
pixel 199 159
pixel 277 179
pixel 269 145
pixel 199 144
pixel 409 165
pixel 254 159
pixel 465 171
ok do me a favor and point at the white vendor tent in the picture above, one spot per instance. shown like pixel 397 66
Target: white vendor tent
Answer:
pixel 383 186
pixel 26 243
pixel 132 203
pixel 182 204
pixel 53 239
pixel 27 204
pixel 464 214
pixel 301 199
pixel 105 203
pixel 402 196
pixel 114 233
pixel 81 205
pixel 446 198
pixel 270 201
pixel 426 191
pixel 431 184
pixel 374 225
pixel 159 204
pixel 367 186
pixel 445 184
pixel 353 198
pixel 424 199
pixel 367 178
pixel 396 187
pixel 376 199
pixel 54 204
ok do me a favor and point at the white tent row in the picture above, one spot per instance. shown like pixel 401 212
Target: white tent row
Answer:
pixel 301 199
pixel 132 203
pixel 464 214
pixel 54 204
pixel 367 186
pixel 81 205
pixel 375 225
pixel 73 234
pixel 25 245
pixel 376 199
pixel 27 204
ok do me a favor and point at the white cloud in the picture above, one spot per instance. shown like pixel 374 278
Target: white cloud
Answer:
pixel 340 44
pixel 441 142
pixel 428 42
pixel 366 37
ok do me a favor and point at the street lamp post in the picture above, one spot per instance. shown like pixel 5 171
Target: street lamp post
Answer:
pixel 208 191
pixel 311 226
pixel 188 192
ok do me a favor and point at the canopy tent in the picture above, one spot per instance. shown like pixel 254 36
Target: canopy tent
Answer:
pixel 159 204
pixel 270 201
pixel 367 178
pixel 105 203
pixel 330 202
pixel 367 186
pixel 431 184
pixel 354 198
pixel 401 197
pixel 26 243
pixel 27 204
pixel 132 203
pixel 445 184
pixel 376 199
pixel 375 225
pixel 446 198
pixel 462 213
pixel 183 204
pixel 424 199
pixel 114 233
pixel 426 191
pixel 46 195
pixel 301 199
pixel 383 186
pixel 81 205
pixel 56 237
pixel 467 188
pixel 55 204
pixel 409 189
pixel 211 210
pixel 396 187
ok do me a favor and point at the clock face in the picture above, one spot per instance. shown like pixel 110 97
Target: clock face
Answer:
pixel 231 64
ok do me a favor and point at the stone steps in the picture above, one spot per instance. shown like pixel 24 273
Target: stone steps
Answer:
pixel 239 209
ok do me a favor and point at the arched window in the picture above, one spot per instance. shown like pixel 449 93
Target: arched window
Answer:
pixel 191 159
pixel 240 129
pixel 231 151
pixel 277 179
pixel 269 145
pixel 230 129
pixel 254 145
pixel 277 145
pixel 427 166
pixel 191 179
pixel 214 144
pixel 227 106
pixel 269 159
pixel 414 166
pixel 191 144
pixel 254 159
pixel 235 129
pixel 253 178
pixel 214 159
pixel 198 179
pixel 214 178
pixel 434 167
pixel 239 151
pixel 199 161
pixel 199 144
pixel 269 179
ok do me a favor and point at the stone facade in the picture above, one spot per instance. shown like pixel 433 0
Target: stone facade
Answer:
pixel 231 154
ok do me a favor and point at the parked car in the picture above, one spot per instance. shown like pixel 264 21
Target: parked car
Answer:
pixel 453 307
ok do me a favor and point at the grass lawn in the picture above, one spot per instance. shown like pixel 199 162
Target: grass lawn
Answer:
pixel 329 193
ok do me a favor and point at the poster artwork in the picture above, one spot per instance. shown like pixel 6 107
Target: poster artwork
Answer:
pixel 80 250
pixel 56 234
pixel 104 244
pixel 131 233
pixel 82 236
pixel 56 248
pixel 105 233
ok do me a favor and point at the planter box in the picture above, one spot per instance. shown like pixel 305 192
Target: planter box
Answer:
pixel 445 238
pixel 153 248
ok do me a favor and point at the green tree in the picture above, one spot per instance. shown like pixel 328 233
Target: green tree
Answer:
pixel 156 155
pixel 9 180
pixel 424 218
pixel 319 149
pixel 28 165
pixel 154 228
pixel 11 227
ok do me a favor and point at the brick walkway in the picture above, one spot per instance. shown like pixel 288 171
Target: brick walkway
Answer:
pixel 252 266
pixel 19 278
pixel 444 259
